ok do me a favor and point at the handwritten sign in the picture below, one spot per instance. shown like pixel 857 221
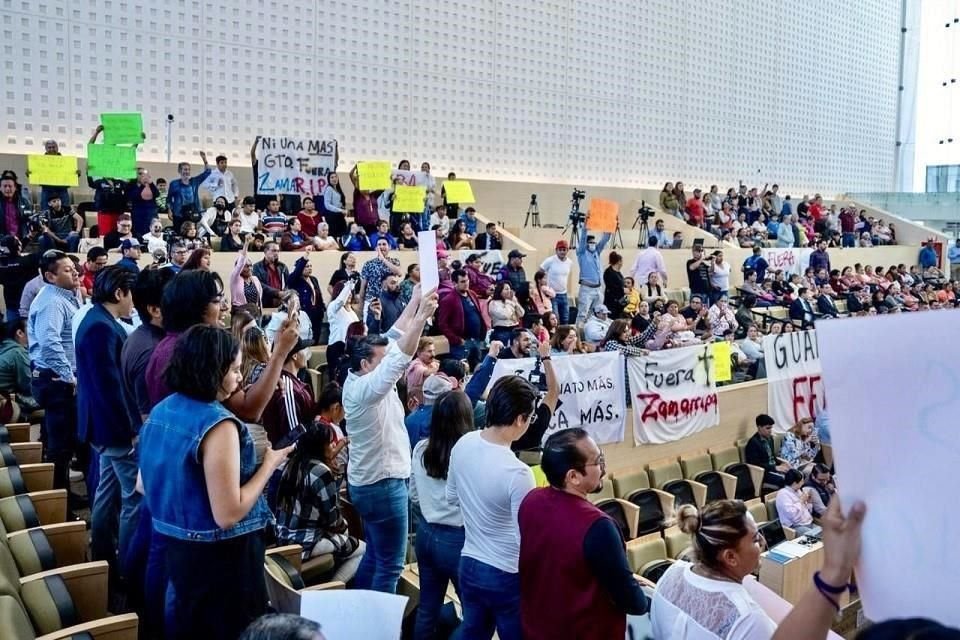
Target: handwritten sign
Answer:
pixel 109 161
pixel 674 394
pixel 604 215
pixel 294 165
pixel 458 191
pixel 54 171
pixel 374 176
pixel 122 128
pixel 411 178
pixel 795 387
pixel 894 391
pixel 592 392
pixel 409 199
pixel 790 261
pixel 722 365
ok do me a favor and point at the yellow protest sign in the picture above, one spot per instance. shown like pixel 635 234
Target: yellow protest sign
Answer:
pixel 374 176
pixel 539 476
pixel 409 199
pixel 722 367
pixel 54 171
pixel 458 191
pixel 603 215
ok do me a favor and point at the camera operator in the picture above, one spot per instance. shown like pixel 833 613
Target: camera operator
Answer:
pixel 589 293
pixel 659 232
pixel 544 378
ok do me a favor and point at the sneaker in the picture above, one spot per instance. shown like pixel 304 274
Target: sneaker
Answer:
pixel 76 476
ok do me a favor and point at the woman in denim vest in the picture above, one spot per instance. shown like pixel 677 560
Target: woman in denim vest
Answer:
pixel 205 492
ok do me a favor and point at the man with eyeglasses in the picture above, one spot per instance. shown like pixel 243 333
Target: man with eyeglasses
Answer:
pixel 53 361
pixel 178 257
pixel 571 552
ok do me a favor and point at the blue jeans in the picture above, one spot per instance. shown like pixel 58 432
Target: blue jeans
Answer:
pixel 471 350
pixel 72 240
pixel 848 239
pixel 383 507
pixel 438 558
pixel 116 497
pixel 587 299
pixel 562 308
pixel 491 601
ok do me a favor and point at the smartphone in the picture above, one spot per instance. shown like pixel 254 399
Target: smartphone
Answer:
pixel 292 436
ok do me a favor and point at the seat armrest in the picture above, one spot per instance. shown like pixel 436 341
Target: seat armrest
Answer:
pixel 756 473
pixel 729 483
pixel 789 533
pixel 87 584
pixel 292 553
pixel 121 627
pixel 67 539
pixel 18 431
pixel 27 452
pixel 326 586
pixel 37 477
pixel 699 492
pixel 666 503
pixel 632 513
pixel 643 581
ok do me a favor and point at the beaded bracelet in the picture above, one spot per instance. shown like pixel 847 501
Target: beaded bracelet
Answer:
pixel 828 590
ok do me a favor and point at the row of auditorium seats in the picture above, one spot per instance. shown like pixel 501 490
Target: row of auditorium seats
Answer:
pixel 47 589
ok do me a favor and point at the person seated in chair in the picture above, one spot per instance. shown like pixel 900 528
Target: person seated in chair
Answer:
pixel 821 481
pixel 802 307
pixel 795 505
pixel 759 452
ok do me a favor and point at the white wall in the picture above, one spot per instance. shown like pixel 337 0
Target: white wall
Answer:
pixel 570 91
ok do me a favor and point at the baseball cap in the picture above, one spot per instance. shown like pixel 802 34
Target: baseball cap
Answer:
pixel 515 253
pixel 562 244
pixel 601 308
pixel 435 386
pixel 129 243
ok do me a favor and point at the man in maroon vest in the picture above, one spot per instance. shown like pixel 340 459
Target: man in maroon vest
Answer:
pixel 574 578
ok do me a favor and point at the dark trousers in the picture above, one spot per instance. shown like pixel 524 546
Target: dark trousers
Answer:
pixel 216 589
pixel 438 557
pixel 59 427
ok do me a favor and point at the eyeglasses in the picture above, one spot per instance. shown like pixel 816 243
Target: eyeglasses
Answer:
pixel 601 462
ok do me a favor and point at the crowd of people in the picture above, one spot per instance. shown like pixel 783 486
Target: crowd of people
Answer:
pixel 158 379
pixel 754 216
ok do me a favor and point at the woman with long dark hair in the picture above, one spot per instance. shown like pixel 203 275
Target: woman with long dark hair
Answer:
pixel 205 491
pixel 335 206
pixel 440 533
pixel 614 288
pixel 308 501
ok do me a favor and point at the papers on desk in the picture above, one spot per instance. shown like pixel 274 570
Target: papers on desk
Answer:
pixel 787 551
pixel 894 385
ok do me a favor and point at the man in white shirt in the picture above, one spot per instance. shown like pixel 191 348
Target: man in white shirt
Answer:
pixel 379 445
pixel 489 483
pixel 249 216
pixel 648 261
pixel 221 183
pixel 595 329
pixel 557 268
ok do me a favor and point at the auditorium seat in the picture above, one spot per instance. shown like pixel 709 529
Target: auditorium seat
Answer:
pixel 17 453
pixel 15 432
pixel 625 514
pixel 669 477
pixel 656 510
pixel 648 557
pixel 33 509
pixel 15 624
pixel 281 568
pixel 676 541
pixel 26 478
pixel 606 493
pixel 627 482
pixel 48 547
pixel 757 509
pixel 720 485
pixel 749 478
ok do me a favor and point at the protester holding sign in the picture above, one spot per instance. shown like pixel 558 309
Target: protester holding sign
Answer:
pixel 588 258
pixel 183 196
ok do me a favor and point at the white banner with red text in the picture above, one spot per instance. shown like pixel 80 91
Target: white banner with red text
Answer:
pixel 592 392
pixel 674 394
pixel 794 382
pixel 790 261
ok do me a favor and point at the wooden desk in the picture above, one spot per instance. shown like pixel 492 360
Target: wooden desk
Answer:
pixel 792 579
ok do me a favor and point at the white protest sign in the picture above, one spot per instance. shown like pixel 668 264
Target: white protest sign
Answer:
pixel 411 178
pixel 894 398
pixel 427 254
pixel 294 165
pixel 336 610
pixel 674 394
pixel 789 261
pixel 592 392
pixel 491 262
pixel 794 383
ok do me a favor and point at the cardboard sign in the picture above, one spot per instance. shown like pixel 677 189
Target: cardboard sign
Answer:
pixel 722 365
pixel 604 215
pixel 374 176
pixel 296 166
pixel 458 192
pixel 409 199
pixel 109 161
pixel 122 128
pixel 54 171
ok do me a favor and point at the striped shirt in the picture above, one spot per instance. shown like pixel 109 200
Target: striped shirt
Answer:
pixel 50 331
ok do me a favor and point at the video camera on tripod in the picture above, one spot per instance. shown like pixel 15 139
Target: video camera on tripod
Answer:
pixel 577 216
pixel 644 213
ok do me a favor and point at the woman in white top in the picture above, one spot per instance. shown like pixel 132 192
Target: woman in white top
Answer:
pixel 505 312
pixel 340 313
pixel 440 533
pixel 154 240
pixel 706 600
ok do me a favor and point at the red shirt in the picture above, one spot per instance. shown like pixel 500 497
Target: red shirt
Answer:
pixel 815 211
pixel 308 223
pixel 695 210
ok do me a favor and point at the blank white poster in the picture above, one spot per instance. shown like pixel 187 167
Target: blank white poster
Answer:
pixel 429 269
pixel 893 396
pixel 348 614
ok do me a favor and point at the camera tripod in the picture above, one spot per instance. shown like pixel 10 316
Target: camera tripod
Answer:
pixel 532 210
pixel 574 220
pixel 616 240
pixel 644 235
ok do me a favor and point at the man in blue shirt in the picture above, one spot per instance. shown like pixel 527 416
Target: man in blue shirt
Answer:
pixel 659 232
pixel 589 293
pixel 130 249
pixel 107 416
pixel 469 219
pixel 928 257
pixel 383 231
pixel 183 197
pixel 756 263
pixel 53 362
pixel 953 255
